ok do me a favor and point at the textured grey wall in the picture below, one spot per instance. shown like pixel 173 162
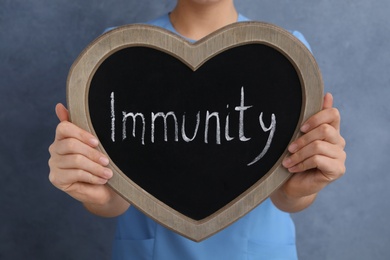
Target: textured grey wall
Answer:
pixel 40 39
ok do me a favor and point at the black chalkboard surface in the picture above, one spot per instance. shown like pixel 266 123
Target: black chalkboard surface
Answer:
pixel 195 132
pixel 221 106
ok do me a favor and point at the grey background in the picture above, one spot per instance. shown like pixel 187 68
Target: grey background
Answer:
pixel 40 39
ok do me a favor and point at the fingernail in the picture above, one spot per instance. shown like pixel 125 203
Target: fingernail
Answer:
pixel 304 128
pixel 286 162
pixel 102 181
pixel 292 148
pixel 94 141
pixel 104 161
pixel 108 173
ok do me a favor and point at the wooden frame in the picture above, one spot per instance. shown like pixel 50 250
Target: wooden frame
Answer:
pixel 194 55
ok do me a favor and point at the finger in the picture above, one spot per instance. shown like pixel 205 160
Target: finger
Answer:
pixel 306 183
pixel 329 116
pixel 324 132
pixel 73 146
pixel 89 193
pixel 314 148
pixel 328 169
pixel 62 112
pixel 78 162
pixel 66 130
pixel 328 101
pixel 63 176
pixel 63 179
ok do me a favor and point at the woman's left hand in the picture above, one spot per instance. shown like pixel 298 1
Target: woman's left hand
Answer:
pixel 317 157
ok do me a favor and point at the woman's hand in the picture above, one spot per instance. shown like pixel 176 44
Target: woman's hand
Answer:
pixel 78 169
pixel 317 159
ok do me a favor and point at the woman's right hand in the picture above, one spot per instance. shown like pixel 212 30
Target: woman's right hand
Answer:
pixel 80 170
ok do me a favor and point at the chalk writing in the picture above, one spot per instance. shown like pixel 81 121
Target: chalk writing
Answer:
pixel 242 109
pixel 272 128
pixel 208 116
pixel 183 130
pixel 124 123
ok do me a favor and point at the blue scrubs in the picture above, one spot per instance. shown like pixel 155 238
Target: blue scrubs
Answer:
pixel 264 233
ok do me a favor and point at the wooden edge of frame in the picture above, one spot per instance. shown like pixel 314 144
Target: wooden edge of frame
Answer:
pixel 194 55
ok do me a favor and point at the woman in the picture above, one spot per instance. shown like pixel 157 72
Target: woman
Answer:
pixel 317 158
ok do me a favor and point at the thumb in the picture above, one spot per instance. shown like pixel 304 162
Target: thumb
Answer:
pixel 62 112
pixel 328 101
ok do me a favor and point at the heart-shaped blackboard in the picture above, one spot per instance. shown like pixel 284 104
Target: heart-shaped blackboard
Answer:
pixel 195 132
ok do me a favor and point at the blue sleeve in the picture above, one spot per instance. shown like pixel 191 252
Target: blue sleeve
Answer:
pixel 302 39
